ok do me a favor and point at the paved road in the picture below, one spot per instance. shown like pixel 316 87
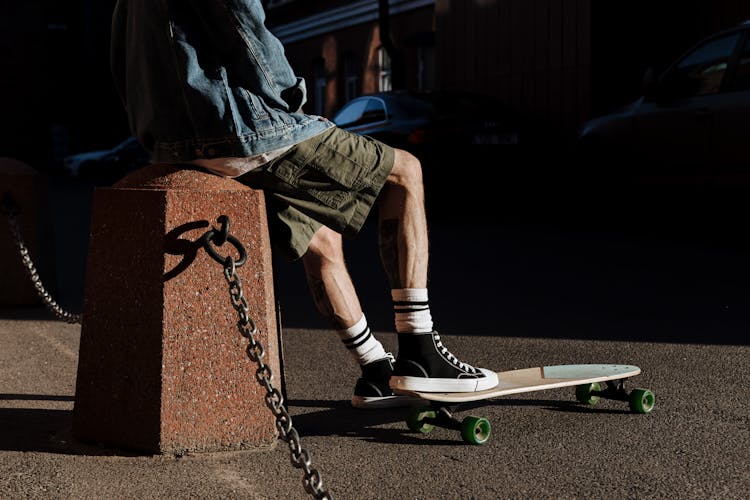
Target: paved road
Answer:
pixel 693 446
pixel 537 282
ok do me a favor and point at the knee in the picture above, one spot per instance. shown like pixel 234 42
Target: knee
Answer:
pixel 407 170
pixel 326 244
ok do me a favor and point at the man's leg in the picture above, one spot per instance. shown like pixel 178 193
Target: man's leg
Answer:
pixel 336 299
pixel 403 224
pixel 329 281
pixel 424 363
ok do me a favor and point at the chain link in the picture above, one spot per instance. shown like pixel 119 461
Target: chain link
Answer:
pixel 300 457
pixel 11 211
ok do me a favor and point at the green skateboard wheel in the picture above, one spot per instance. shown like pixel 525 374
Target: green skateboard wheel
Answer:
pixel 475 430
pixel 583 393
pixel 415 420
pixel 641 400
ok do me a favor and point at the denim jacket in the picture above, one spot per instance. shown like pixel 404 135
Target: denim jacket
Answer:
pixel 205 79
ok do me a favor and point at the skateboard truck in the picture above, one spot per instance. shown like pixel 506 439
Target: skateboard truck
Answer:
pixel 474 430
pixel 639 400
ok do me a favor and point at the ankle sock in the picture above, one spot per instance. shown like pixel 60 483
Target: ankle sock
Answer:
pixel 361 343
pixel 412 310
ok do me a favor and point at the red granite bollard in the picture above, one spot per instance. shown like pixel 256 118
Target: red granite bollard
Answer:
pixel 27 189
pixel 162 365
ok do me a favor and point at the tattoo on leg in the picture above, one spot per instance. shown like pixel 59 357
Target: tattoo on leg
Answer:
pixel 320 297
pixel 388 243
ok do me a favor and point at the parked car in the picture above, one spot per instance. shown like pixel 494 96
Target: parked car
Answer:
pixel 121 159
pixel 693 120
pixel 413 120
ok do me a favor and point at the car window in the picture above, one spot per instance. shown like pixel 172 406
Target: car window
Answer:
pixel 742 78
pixel 129 143
pixel 361 111
pixel 374 112
pixel 351 113
pixel 701 72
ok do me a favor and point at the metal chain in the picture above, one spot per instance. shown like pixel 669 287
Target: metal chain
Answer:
pixel 11 211
pixel 300 457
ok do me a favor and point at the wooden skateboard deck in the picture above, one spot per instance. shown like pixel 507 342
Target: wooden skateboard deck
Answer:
pixel 591 381
pixel 535 379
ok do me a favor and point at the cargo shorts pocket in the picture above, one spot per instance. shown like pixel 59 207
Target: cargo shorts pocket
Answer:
pixel 333 168
pixel 332 177
pixel 314 182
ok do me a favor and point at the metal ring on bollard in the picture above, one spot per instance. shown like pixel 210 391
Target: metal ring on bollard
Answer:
pixel 208 239
pixel 220 236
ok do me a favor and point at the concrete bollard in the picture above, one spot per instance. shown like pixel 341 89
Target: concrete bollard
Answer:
pixel 162 365
pixel 28 190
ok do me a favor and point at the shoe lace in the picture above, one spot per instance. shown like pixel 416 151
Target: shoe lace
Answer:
pixel 449 356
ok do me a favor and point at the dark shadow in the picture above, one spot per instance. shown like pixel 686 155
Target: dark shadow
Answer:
pixel 552 405
pixel 560 274
pixel 339 418
pixel 573 408
pixel 47 431
pixel 28 313
pixel 174 245
pixel 34 397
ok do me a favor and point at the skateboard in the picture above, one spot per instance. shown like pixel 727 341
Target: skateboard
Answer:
pixel 592 382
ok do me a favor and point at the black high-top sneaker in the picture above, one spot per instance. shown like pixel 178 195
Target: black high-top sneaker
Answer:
pixel 425 364
pixel 372 390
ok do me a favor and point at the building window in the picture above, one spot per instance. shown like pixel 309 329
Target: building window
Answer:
pixel 320 82
pixel 384 63
pixel 351 77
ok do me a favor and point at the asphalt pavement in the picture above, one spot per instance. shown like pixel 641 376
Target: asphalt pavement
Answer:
pixel 544 445
pixel 535 283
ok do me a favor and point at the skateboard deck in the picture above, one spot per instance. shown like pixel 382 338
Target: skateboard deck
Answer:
pixel 534 379
pixel 592 382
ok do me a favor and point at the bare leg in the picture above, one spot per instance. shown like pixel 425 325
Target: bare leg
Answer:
pixel 329 281
pixel 424 363
pixel 427 364
pixel 404 247
pixel 336 299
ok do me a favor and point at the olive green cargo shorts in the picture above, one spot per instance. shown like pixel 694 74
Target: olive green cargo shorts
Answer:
pixel 331 179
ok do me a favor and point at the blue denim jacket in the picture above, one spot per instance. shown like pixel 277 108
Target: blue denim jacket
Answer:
pixel 206 79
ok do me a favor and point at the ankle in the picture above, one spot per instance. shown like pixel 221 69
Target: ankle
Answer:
pixel 411 310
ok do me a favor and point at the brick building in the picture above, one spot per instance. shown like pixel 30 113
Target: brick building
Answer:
pixel 558 61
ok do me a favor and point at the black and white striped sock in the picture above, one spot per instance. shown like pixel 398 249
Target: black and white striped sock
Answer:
pixel 361 343
pixel 412 310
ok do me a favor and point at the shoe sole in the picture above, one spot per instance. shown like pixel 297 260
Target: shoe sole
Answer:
pixel 374 403
pixel 424 384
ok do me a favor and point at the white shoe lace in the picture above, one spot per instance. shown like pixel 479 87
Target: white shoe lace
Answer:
pixel 450 357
